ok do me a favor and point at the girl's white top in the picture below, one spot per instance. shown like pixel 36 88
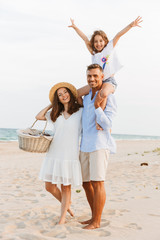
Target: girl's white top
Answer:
pixel 61 164
pixel 108 60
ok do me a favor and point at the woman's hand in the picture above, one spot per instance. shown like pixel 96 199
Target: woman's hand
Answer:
pixel 42 113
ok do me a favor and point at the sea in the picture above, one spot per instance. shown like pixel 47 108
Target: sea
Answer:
pixel 10 134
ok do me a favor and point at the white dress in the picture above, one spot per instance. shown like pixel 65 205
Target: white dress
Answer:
pixel 61 164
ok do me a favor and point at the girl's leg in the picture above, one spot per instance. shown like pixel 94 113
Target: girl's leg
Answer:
pixel 66 198
pixel 83 91
pixel 55 191
pixel 107 88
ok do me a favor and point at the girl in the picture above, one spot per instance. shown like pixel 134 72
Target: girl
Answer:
pixel 61 164
pixel 102 51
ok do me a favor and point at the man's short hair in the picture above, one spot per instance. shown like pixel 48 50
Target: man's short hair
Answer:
pixel 94 66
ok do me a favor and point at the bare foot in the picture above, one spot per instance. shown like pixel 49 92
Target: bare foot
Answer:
pixel 70 212
pixel 62 221
pixel 87 221
pixel 92 226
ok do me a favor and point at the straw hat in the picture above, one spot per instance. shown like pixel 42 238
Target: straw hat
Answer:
pixel 60 85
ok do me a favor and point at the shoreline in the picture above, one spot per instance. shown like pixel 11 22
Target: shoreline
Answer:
pixel 117 140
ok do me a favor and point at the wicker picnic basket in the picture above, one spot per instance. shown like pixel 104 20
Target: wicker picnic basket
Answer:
pixel 33 140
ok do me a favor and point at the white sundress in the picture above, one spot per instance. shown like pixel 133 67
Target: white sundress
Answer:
pixel 61 164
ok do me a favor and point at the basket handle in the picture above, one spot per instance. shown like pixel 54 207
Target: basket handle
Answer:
pixel 44 126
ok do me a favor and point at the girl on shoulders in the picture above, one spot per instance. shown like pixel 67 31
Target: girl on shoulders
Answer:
pixel 102 51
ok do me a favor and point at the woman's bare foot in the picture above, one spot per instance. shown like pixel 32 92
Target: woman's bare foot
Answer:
pixel 62 221
pixel 87 221
pixel 70 212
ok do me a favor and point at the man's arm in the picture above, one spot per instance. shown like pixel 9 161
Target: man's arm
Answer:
pixel 104 118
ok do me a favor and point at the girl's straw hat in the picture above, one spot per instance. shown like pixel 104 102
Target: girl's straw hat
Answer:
pixel 60 85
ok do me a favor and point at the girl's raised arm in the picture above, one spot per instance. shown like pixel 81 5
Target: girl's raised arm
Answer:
pixel 42 113
pixel 82 35
pixel 135 23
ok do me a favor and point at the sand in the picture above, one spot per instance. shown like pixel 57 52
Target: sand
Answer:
pixel 132 209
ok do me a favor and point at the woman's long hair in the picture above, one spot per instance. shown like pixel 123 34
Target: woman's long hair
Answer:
pixel 102 34
pixel 58 107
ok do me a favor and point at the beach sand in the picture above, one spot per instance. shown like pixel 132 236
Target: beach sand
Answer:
pixel 132 209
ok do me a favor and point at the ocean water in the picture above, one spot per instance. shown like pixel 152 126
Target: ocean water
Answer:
pixel 10 134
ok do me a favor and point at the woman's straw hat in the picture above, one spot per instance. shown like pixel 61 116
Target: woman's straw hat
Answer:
pixel 60 85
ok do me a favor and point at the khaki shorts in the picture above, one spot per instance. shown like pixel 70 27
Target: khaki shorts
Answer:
pixel 94 165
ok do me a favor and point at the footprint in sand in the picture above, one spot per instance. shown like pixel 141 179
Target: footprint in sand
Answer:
pixel 28 236
pixel 57 232
pixel 133 226
pixel 124 210
pixel 20 225
pixel 111 212
pixel 154 215
pixel 105 234
pixel 60 235
pixel 141 197
pixel 104 223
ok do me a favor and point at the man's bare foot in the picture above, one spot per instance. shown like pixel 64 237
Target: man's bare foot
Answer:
pixel 87 221
pixel 92 226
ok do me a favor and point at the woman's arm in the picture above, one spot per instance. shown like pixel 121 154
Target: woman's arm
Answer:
pixel 42 113
pixel 135 23
pixel 82 35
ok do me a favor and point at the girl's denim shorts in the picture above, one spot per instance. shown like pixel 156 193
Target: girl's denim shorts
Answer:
pixel 111 80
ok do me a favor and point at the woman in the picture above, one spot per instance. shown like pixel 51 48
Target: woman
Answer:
pixel 61 165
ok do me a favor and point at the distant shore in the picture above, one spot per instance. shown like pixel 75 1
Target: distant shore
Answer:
pixel 133 194
pixel 10 134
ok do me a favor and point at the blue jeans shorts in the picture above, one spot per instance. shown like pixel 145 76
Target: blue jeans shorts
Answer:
pixel 111 80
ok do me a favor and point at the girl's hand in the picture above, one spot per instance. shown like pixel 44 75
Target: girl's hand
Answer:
pixel 73 25
pixel 82 35
pixel 98 127
pixel 136 22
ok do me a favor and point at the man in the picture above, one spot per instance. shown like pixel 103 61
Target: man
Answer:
pixel 96 144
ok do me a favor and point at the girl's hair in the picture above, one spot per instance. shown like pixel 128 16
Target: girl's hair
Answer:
pixel 58 107
pixel 102 34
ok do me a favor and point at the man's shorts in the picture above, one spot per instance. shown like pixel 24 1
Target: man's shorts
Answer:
pixel 94 165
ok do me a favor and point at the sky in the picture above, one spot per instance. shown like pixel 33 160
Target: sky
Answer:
pixel 37 50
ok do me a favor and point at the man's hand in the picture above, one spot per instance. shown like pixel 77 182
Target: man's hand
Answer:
pixel 98 100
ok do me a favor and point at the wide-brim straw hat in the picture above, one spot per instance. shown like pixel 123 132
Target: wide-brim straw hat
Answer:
pixel 60 85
